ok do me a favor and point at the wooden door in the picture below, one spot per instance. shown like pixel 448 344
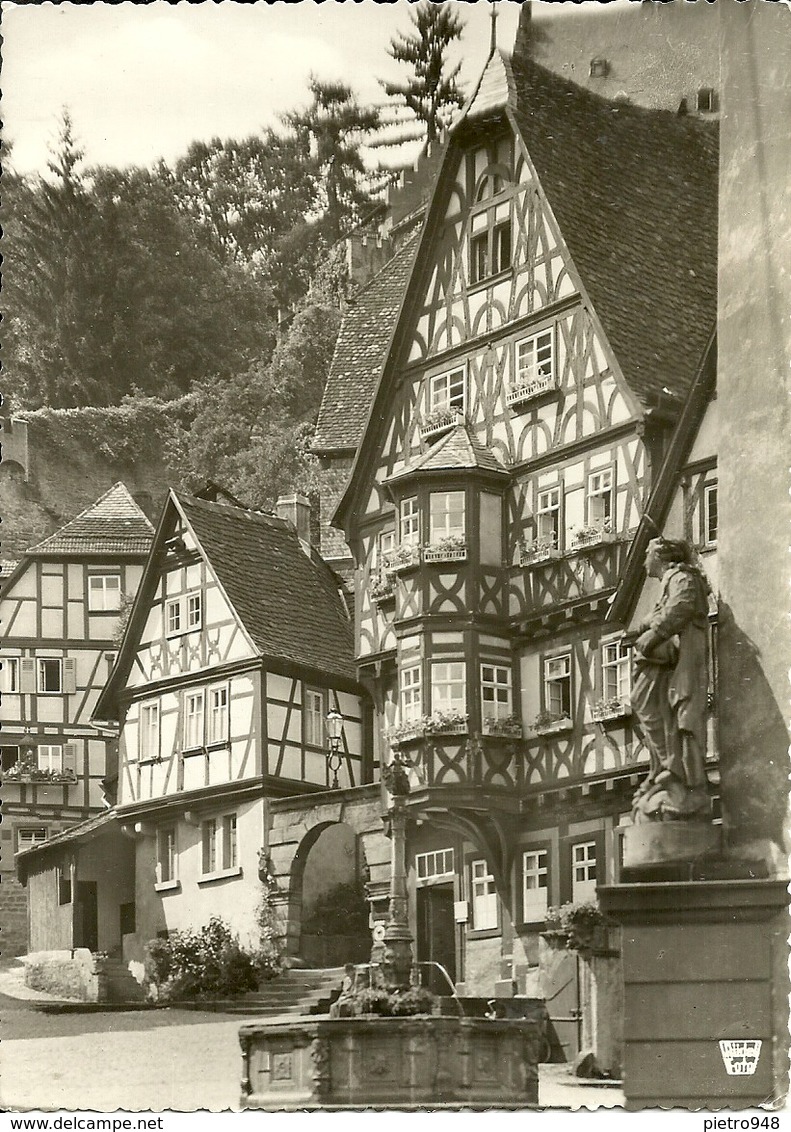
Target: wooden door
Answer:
pixel 436 934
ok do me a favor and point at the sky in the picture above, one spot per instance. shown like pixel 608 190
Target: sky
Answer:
pixel 143 81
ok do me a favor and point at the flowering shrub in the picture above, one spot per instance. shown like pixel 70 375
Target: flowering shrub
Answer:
pixel 395 1003
pixel 546 719
pixel 193 964
pixel 405 555
pixel 510 725
pixel 602 709
pixel 30 770
pixel 445 415
pixel 381 589
pixel 427 725
pixel 593 532
pixel 580 923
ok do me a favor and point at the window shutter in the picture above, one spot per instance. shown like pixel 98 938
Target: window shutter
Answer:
pixel 70 758
pixel 27 682
pixel 69 675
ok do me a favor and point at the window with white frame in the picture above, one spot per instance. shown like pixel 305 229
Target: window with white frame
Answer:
pixel 29 836
pixel 167 860
pixel 219 851
pixel 193 720
pixel 104 592
pixel 229 845
pixel 710 517
pixel 535 359
pixel 209 846
pixel 496 698
pixel 436 865
pixel 557 685
pixel 447 391
pixel 411 694
pixel 173 617
pixel 446 515
pixel 484 896
pixel 314 718
pixel 600 498
pixel 194 611
pixel 50 757
pixel 448 687
pixel 218 715
pixel 50 675
pixel 583 871
pixel 9 674
pixel 548 517
pixel 149 732
pixel 535 884
pixel 410 522
pixel 616 671
pixel 490 244
pixel 385 545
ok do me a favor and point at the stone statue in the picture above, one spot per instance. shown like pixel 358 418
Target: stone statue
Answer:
pixel 669 687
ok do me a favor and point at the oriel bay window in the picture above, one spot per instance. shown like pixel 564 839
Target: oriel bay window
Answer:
pixel 447 520
pixel 411 698
pixel 448 688
pixel 496 699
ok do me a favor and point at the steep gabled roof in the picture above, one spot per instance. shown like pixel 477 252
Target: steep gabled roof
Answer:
pixel 634 192
pixel 457 449
pixel 360 352
pixel 289 603
pixel 113 525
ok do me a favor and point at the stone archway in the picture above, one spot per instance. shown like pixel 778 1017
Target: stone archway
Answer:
pixel 317 844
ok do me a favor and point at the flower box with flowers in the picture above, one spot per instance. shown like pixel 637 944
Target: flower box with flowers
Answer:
pixel 29 772
pixel 439 421
pixel 440 723
pixel 527 390
pixel 541 550
pixel 382 589
pixel 605 710
pixel 450 549
pixel 593 535
pixel 550 722
pixel 402 558
pixel 508 728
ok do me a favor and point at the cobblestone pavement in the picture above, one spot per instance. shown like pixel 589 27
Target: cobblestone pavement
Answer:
pixel 159 1060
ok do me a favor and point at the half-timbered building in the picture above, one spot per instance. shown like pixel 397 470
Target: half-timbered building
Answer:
pixel 505 412
pixel 60 612
pixel 238 647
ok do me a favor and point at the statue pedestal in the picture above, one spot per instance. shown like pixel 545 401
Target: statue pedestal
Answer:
pixel 704 963
pixel 663 843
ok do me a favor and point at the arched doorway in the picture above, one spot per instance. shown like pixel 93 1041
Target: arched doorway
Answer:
pixel 328 900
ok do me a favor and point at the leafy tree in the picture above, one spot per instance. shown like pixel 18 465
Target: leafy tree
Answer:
pixel 244 195
pixel 329 133
pixel 431 92
pixel 108 290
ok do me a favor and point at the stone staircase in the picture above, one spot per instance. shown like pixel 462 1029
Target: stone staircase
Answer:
pixel 118 984
pixel 295 992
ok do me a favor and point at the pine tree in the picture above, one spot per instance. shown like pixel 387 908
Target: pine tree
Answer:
pixel 431 93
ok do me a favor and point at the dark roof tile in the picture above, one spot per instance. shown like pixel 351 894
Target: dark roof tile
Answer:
pixel 114 524
pixel 288 602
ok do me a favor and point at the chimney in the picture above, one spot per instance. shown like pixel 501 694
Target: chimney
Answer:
pixel 295 509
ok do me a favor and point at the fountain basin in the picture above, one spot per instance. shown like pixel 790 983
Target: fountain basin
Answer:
pixel 406 1063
